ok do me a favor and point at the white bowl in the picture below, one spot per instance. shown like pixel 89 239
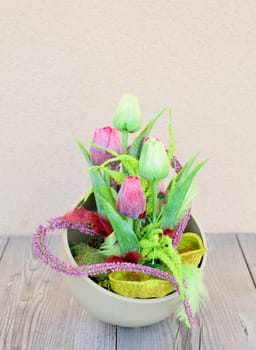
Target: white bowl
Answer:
pixel 115 309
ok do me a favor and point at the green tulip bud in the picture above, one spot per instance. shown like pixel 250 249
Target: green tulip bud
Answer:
pixel 127 116
pixel 154 164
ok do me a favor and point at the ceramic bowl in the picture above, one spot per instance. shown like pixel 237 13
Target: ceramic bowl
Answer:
pixel 115 309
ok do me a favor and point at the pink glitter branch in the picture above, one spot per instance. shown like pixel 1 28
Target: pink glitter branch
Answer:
pixel 181 227
pixel 43 253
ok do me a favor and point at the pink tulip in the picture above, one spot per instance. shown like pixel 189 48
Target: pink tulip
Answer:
pixel 107 137
pixel 130 199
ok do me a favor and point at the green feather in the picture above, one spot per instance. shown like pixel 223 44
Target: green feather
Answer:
pixel 110 246
pixel 196 292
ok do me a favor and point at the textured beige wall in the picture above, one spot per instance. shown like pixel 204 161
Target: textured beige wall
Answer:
pixel 64 65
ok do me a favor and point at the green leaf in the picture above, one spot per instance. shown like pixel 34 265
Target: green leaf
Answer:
pixel 191 194
pixel 172 146
pixel 171 211
pixel 84 150
pixel 137 143
pixel 96 145
pixel 98 184
pixel 186 168
pixel 125 235
pixel 85 198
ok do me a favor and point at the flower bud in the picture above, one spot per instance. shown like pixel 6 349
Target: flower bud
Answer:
pixel 127 116
pixel 131 201
pixel 154 163
pixel 107 137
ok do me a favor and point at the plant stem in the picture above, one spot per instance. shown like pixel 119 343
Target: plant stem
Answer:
pixel 124 146
pixel 124 141
pixel 154 199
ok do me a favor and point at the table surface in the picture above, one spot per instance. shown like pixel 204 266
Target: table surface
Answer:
pixel 37 311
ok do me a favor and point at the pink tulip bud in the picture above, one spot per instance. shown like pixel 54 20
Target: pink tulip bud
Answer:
pixel 107 137
pixel 130 199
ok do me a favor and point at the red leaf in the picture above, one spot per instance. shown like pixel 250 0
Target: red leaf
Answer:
pixel 131 257
pixel 83 216
pixel 169 232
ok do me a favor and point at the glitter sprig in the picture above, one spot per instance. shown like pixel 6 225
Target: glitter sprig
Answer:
pixel 44 254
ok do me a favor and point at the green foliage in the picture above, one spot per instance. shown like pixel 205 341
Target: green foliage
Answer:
pixel 196 291
pixel 172 146
pixel 115 175
pixel 98 184
pixel 124 233
pixel 137 143
pixel 178 199
pixel 85 254
pixel 158 247
pixel 85 198
pixel 130 163
pixel 110 246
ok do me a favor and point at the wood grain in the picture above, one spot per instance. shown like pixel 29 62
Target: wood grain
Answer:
pixel 37 311
pixel 229 322
pixel 3 244
pixel 248 247
pixel 168 334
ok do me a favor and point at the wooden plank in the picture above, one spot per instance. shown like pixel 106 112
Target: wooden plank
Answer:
pixel 168 334
pixel 3 243
pixel 37 311
pixel 248 246
pixel 229 322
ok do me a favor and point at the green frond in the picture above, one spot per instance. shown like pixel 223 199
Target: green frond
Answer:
pixel 172 146
pixel 115 175
pixel 156 247
pixel 96 145
pixel 131 164
pixel 110 246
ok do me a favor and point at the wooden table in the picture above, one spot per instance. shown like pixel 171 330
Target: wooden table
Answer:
pixel 37 311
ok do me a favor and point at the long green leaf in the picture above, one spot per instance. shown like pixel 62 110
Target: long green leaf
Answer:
pixel 191 194
pixel 125 235
pixel 186 168
pixel 98 184
pixel 137 143
pixel 175 202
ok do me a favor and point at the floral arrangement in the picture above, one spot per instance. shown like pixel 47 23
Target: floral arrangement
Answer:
pixel 135 244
